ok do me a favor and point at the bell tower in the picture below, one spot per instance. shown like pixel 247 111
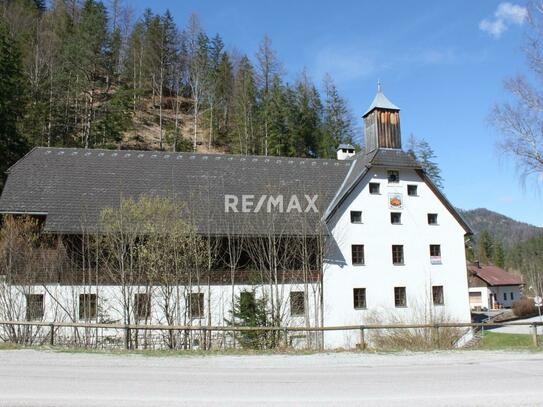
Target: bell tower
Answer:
pixel 382 123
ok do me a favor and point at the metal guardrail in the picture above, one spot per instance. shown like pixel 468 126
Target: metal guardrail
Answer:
pixel 207 329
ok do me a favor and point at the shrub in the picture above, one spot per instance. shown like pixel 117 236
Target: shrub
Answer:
pixel 412 338
pixel 524 307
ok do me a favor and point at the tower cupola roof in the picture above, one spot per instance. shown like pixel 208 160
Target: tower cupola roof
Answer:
pixel 381 101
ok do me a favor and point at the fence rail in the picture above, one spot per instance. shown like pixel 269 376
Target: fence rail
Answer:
pixel 54 332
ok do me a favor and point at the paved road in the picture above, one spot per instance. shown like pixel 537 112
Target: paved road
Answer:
pixel 471 378
pixel 515 329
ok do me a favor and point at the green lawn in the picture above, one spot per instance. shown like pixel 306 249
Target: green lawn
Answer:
pixel 494 340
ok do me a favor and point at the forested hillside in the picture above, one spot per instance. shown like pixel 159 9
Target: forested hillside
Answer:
pixel 500 227
pixel 87 74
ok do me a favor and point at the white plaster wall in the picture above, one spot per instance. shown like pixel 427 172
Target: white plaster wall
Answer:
pixel 61 302
pixel 379 276
pixel 507 290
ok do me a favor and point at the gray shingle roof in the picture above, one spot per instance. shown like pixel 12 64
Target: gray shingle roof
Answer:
pixel 381 101
pixel 73 185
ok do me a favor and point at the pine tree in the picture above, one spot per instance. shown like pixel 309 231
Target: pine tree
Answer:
pixel 268 69
pixel 337 121
pixel 12 101
pixel 306 118
pixel 224 92
pixel 498 255
pixel 484 249
pixel 244 108
pixel 421 150
pixel 250 311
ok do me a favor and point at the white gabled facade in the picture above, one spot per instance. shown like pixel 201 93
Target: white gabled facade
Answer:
pixel 378 275
pixel 430 284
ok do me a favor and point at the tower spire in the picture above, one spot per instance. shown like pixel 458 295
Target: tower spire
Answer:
pixel 382 123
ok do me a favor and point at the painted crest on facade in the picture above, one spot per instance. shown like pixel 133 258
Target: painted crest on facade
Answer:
pixel 395 201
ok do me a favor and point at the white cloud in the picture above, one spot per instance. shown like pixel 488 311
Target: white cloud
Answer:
pixel 505 15
pixel 512 13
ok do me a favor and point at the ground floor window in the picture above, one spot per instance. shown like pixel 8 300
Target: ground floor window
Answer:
pixel 142 306
pixel 437 295
pixel 34 307
pixel 297 303
pixel 359 298
pixel 400 298
pixel 196 305
pixel 87 306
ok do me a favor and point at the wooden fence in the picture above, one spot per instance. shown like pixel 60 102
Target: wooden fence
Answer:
pixel 50 332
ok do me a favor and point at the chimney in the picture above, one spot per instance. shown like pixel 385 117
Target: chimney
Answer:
pixel 345 151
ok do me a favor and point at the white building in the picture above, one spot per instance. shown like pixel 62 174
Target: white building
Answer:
pixel 491 287
pixel 394 245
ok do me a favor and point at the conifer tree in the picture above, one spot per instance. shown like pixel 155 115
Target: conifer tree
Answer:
pixel 337 121
pixel 12 102
pixel 421 150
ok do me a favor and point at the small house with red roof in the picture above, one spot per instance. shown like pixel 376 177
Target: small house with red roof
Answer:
pixel 491 287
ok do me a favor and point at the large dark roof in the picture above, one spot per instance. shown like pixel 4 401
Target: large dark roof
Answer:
pixel 72 186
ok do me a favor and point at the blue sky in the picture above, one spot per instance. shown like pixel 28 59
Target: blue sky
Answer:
pixel 442 62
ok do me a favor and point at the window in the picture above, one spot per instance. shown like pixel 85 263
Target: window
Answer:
pixel 297 303
pixel 374 188
pixel 505 296
pixel 359 298
pixel 512 296
pixel 437 294
pixel 400 299
pixel 412 190
pixel 397 254
pixel 357 254
pixel 34 306
pixel 432 218
pixel 356 217
pixel 247 303
pixel 396 218
pixel 393 176
pixel 435 254
pixel 87 306
pixel 196 305
pixel 142 306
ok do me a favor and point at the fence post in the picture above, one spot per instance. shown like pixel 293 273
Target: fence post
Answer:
pixel 286 337
pixel 534 335
pixel 52 334
pixel 204 333
pixel 436 335
pixel 126 337
pixel 362 339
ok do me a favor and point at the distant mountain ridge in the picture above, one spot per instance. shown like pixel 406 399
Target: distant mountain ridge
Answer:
pixel 500 226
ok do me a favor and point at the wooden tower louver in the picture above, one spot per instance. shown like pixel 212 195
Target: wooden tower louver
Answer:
pixel 382 123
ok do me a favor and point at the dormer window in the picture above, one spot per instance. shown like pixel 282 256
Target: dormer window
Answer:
pixel 393 176
pixel 374 188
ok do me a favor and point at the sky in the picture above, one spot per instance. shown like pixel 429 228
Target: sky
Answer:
pixel 442 62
